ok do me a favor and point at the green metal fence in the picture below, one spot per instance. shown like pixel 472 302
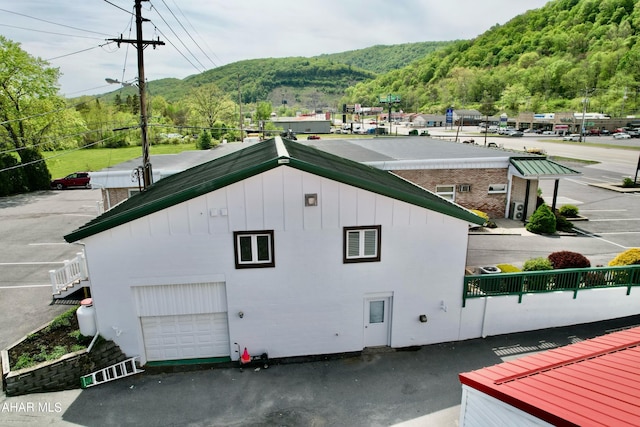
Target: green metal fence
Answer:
pixel 526 282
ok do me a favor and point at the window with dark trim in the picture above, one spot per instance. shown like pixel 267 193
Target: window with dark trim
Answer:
pixel 361 244
pixel 254 249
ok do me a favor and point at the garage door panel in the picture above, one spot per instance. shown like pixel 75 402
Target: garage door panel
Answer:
pixel 185 336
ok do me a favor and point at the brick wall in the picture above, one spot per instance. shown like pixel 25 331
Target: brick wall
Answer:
pixel 113 196
pixel 480 179
pixel 64 373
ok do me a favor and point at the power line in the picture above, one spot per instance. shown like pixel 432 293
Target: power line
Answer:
pixel 50 32
pixel 186 31
pixel 53 23
pixel 196 31
pixel 178 50
pixel 22 165
pixel 79 51
pixel 59 137
pixel 180 39
pixel 118 7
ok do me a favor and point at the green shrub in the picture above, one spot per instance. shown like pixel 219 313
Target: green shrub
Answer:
pixel 57 353
pixel 24 361
pixel 508 268
pixel 204 141
pixel 628 183
pixel 542 221
pixel 628 257
pixel 568 211
pixel 568 259
pixel 62 320
pixel 562 223
pixel 538 282
pixel 537 264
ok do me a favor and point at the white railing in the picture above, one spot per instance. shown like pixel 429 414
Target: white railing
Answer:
pixel 73 271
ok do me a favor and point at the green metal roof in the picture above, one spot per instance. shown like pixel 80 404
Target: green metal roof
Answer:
pixel 540 167
pixel 258 158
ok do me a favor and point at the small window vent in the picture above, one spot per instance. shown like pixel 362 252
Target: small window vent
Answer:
pixel 464 188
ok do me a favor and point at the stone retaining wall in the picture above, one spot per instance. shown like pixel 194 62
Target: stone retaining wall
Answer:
pixel 61 374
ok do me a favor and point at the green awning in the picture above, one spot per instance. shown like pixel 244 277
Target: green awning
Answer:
pixel 542 168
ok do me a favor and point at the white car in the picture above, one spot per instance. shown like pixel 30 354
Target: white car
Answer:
pixel 548 132
pixel 621 135
pixel 572 137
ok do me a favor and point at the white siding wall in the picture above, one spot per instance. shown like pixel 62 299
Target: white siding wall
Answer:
pixel 481 410
pixel 311 302
pixel 503 315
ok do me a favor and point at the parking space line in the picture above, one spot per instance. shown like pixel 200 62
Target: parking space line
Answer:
pixel 25 286
pixel 575 181
pixel 586 233
pixel 619 232
pixel 614 219
pixel 31 263
pixel 603 210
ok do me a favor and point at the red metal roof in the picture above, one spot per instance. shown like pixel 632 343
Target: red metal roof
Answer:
pixel 591 383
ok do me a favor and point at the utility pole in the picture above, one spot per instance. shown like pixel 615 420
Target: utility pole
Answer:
pixel 241 118
pixel 140 44
pixel 585 101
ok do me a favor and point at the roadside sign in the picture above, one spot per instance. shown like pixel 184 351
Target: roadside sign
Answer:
pixel 449 115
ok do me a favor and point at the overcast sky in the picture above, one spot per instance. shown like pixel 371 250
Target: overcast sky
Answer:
pixel 203 34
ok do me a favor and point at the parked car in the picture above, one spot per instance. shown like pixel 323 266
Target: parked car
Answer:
pixel 621 135
pixel 605 132
pixel 633 133
pixel 571 137
pixel 595 132
pixel 313 137
pixel 515 133
pixel 76 179
pixel 548 132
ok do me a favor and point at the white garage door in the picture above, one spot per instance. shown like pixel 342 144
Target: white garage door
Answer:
pixel 191 336
pixel 183 321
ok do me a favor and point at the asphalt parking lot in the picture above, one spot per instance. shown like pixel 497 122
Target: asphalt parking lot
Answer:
pixel 417 387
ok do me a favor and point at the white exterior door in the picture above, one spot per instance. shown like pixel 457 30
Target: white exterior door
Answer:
pixel 377 321
pixel 191 336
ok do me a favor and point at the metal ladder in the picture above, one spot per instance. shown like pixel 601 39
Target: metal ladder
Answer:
pixel 119 370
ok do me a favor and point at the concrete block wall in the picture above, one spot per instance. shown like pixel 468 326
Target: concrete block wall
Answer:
pixel 64 373
pixel 480 179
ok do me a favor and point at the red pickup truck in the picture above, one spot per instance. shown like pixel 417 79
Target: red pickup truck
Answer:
pixel 77 179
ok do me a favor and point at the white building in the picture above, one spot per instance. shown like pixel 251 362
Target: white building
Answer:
pixel 281 248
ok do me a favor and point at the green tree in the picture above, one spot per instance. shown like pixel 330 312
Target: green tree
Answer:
pixel 204 141
pixel 263 110
pixel 487 108
pixel 210 104
pixel 29 109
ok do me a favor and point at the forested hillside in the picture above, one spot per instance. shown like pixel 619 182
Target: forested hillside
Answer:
pixel 307 82
pixel 383 58
pixel 544 60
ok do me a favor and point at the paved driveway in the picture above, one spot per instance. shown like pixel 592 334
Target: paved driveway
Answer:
pixel 407 388
pixel 32 226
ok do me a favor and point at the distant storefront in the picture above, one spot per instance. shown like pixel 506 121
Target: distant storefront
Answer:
pixel 568 122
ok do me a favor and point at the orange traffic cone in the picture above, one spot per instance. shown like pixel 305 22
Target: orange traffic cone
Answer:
pixel 245 358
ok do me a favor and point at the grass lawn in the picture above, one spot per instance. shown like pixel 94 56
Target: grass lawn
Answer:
pixel 62 163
